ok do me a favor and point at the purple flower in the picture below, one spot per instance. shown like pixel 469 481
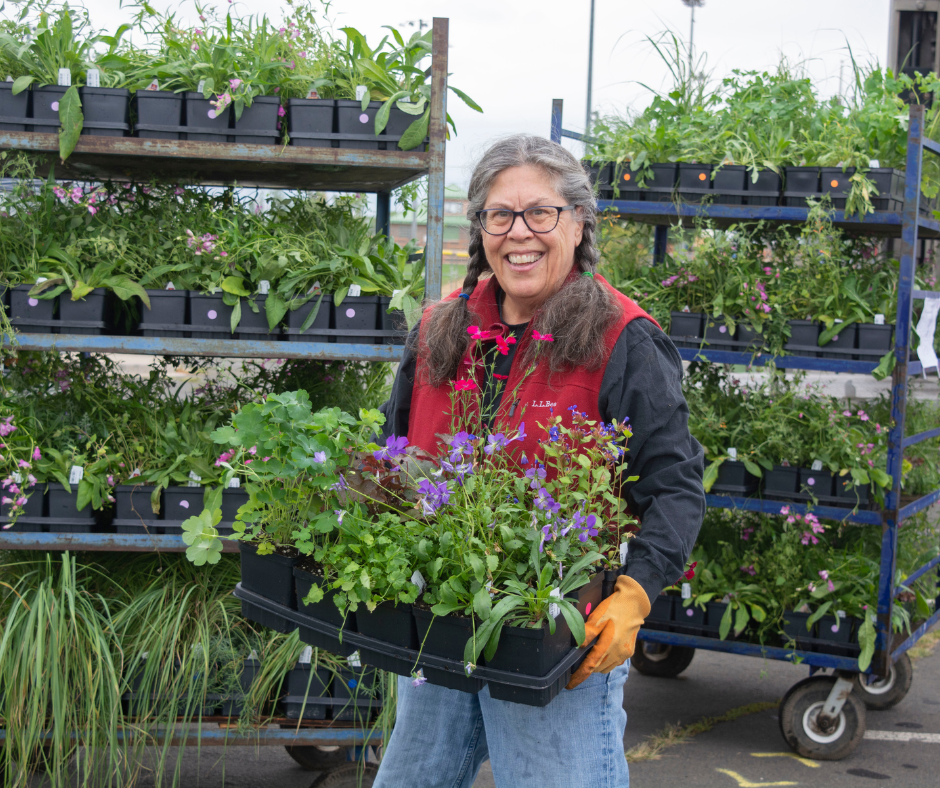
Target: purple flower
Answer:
pixel 461 442
pixel 394 446
pixel 545 502
pixel 419 679
pixel 435 495
pixel 553 434
pixel 536 474
pixel 496 442
pixel 340 484
pixel 340 514
pixel 319 456
pixel 521 436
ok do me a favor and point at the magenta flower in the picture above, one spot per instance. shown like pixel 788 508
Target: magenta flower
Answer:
pixel 37 455
pixel 281 112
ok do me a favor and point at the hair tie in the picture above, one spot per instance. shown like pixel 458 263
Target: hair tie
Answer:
pixel 465 296
pixel 588 273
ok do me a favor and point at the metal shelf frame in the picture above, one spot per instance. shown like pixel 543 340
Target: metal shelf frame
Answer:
pixel 910 225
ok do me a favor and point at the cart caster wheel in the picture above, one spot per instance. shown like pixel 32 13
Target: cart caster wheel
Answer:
pixel 884 693
pixel 799 711
pixel 347 776
pixel 660 659
pixel 317 758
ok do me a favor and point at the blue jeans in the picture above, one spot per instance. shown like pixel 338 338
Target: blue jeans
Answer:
pixel 442 737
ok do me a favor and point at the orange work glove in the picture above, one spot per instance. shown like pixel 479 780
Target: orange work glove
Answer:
pixel 615 624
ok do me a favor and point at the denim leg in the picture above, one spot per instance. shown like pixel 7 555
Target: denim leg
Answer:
pixel 438 740
pixel 576 741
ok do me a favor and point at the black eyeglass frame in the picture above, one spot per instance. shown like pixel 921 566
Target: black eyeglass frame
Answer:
pixel 561 209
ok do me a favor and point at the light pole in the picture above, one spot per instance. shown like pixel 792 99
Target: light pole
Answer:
pixel 693 4
pixel 587 118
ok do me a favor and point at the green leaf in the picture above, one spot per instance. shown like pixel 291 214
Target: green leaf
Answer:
pixel 885 366
pixel 752 468
pixel 84 494
pixel 740 620
pixel 467 100
pixel 414 135
pixel 275 307
pixel 235 285
pixel 482 604
pixel 711 473
pixel 21 83
pixel 72 120
pixel 574 619
pixel 725 626
pixel 866 639
pixel 308 321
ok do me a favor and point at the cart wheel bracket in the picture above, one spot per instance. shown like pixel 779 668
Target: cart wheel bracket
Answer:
pixel 828 717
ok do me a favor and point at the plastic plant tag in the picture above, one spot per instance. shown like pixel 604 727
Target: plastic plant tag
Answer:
pixel 17 477
pixel 264 286
pixel 418 579
pixel 355 291
pixel 553 610
pixel 817 465
pixel 312 93
pixel 76 474
pixel 315 288
pixel 234 483
pixel 9 78
pixel 254 655
pixel 41 279
pixel 170 286
pixel 840 614
pixel 732 454
pixel 202 86
pixel 93 78
pixel 305 656
pixel 65 78
pixel 925 330
pixel 624 547
pixel 874 164
pixel 879 320
pixel 686 590
pixel 395 293
pixel 154 85
pixel 489 588
pixel 360 92
pixel 686 308
pixel 353 660
pixel 838 320
pixel 135 472
pixel 194 479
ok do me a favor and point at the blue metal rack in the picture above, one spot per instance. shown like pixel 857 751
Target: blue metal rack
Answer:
pixel 910 225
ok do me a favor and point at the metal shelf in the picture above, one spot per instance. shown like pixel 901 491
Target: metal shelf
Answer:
pixel 231 348
pixel 861 516
pixel 782 362
pixel 117 543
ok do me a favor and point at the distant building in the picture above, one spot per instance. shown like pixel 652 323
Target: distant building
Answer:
pixel 404 227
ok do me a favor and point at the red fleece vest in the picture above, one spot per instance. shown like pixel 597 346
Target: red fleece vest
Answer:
pixel 535 401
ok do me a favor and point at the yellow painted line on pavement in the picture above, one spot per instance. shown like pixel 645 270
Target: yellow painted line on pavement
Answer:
pixel 801 759
pixel 743 782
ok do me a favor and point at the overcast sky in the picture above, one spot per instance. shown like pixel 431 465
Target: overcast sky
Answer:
pixel 514 56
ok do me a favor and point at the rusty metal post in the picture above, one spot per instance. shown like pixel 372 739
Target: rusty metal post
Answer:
pixel 437 130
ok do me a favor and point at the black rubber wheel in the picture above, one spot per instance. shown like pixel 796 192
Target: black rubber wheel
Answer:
pixel 347 776
pixel 317 759
pixel 799 710
pixel 884 693
pixel 660 659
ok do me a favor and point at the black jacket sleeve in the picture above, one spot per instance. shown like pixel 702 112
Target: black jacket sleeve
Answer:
pixel 397 409
pixel 643 382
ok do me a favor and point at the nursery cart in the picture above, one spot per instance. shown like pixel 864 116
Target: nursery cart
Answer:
pixel 822 716
pixel 265 166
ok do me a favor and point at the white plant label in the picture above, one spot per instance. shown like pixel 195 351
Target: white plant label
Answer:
pixel 686 308
pixel 93 78
pixel 840 614
pixel 926 328
pixel 254 655
pixel 817 465
pixel 732 453
pixel 234 483
pixel 360 92
pixel 395 293
pixel 879 320
pixel 76 474
pixel 489 588
pixel 553 610
pixel 838 320
pixel 355 291
pixel 353 660
pixel 65 78
pixel 418 579
pixel 17 477
pixel 154 85
pixel 315 288
pixel 170 286
pixel 41 279
pixel 312 93
pixel 686 590
pixel 202 86
pixel 9 77
pixel 624 547
pixel 135 472
pixel 194 479
pixel 264 286
pixel 874 164
pixel 306 655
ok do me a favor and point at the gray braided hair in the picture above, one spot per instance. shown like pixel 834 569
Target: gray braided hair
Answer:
pixel 578 316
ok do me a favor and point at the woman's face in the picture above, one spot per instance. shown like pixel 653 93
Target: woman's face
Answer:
pixel 530 267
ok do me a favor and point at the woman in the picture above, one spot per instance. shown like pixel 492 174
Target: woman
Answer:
pixel 533 219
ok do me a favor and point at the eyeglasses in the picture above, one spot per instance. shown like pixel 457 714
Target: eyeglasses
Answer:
pixel 539 218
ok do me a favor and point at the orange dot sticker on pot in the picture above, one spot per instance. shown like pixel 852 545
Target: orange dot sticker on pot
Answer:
pixel 626 176
pixel 834 184
pixel 702 176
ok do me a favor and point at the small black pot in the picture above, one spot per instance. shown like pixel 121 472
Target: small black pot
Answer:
pixel 398 123
pixel 689 616
pixel 859 495
pixel 232 498
pixel 302 689
pixel 802 182
pixel 392 321
pixel 601 175
pixel 794 625
pixel 90 309
pixel 357 313
pixel 766 190
pixel 181 502
pixel 694 181
pixel 751 339
pixel 63 504
pixel 323 320
pixel 589 596
pixel 324 610
pixel 874 339
pixel 781 480
pixel 351 119
pixel 662 183
pixel 13 109
pixel 728 184
pixel 836 184
pixel 132 502
pixel 818 483
pixel 254 325
pixel 686 328
pixel 199 126
pixel 167 314
pixel 351 685
pixel 211 315
pixel 625 180
pixel 447 636
pixel 890 185
pixel 608 583
pixel 735 479
pixel 271 576
pixel 34 508
pixel 159 116
pixel 844 343
pixel 45 118
pixel 804 334
pixel 662 613
pixel 533 652
pixel 105 111
pixel 258 123
pixel 390 623
pixel 714 612
pixel 308 120
pixel 842 632
pixel 717 333
pixel 25 310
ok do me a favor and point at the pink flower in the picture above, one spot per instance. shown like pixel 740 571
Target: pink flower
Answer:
pixel 110 481
pixel 253 450
pixel 280 112
pixel 502 344
pixel 476 332
pixel 811 586
pixel 37 455
pixel 749 570
pixel 464 385
pixel 23 464
pixel 824 574
pixel 234 83
pixel 542 337
pixel 785 510
pixel 846 413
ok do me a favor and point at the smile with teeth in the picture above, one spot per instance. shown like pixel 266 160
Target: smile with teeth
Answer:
pixel 523 259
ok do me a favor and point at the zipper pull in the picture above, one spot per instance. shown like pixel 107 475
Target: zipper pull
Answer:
pixel 512 410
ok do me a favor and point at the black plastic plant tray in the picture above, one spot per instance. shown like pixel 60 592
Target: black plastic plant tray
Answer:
pixel 27 525
pixel 516 687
